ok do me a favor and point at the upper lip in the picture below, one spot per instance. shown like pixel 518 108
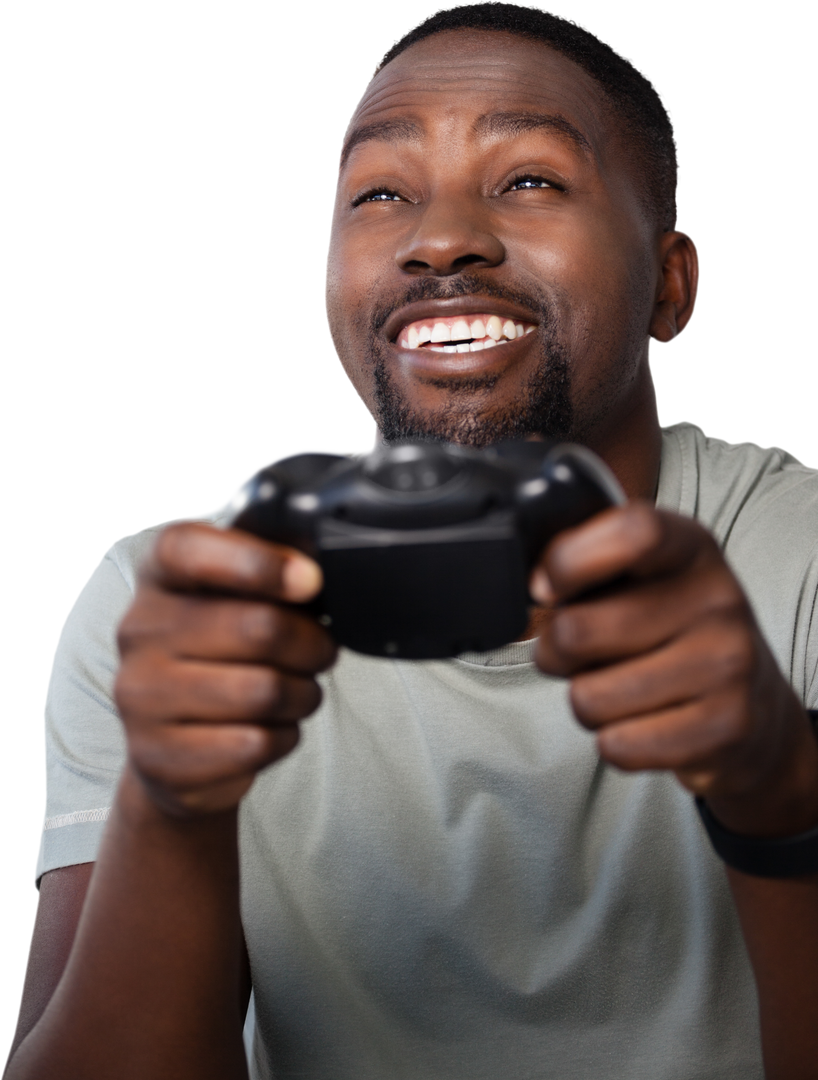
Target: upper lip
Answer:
pixel 455 305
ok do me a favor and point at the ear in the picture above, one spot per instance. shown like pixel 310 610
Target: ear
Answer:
pixel 677 287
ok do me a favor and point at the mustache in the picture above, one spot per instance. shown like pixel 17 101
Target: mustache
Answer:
pixel 465 284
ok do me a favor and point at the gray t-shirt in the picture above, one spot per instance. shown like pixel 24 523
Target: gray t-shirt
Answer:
pixel 443 880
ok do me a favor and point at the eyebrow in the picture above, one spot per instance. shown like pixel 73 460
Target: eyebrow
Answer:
pixel 496 125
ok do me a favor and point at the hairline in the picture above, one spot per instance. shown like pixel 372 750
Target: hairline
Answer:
pixel 627 130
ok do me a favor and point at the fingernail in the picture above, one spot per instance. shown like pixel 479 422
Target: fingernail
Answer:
pixel 301 578
pixel 541 589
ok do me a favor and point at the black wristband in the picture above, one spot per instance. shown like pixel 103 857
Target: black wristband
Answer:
pixel 775 857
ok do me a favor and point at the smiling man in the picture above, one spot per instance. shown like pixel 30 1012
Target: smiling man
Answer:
pixel 494 865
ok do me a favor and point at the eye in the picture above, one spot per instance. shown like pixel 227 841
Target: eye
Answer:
pixel 532 182
pixel 377 195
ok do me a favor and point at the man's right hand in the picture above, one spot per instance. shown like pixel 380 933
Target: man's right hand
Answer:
pixel 217 667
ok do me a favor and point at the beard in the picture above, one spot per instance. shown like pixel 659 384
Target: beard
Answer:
pixel 544 408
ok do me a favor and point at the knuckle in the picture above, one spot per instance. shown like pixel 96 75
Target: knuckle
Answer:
pixel 313 697
pixel 327 651
pixel 729 722
pixel 136 628
pixel 268 693
pixel 548 658
pixel 122 691
pixel 170 544
pixel 735 657
pixel 293 697
pixel 643 526
pixel 584 697
pixel 264 628
pixel 130 692
pixel 724 594
pixel 153 759
pixel 571 632
pixel 258 689
pixel 644 520
pixel 129 632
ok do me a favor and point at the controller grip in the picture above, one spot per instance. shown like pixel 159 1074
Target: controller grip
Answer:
pixel 268 504
pixel 574 485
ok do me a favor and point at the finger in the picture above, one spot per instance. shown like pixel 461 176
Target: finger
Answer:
pixel 153 689
pixel 197 759
pixel 694 737
pixel 712 657
pixel 635 540
pixel 638 617
pixel 191 555
pixel 204 628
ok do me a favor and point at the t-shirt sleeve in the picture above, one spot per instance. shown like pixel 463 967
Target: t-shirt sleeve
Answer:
pixel 85 745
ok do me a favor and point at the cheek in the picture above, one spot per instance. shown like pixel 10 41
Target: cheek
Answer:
pixel 604 274
pixel 349 283
pixel 334 297
pixel 353 276
pixel 577 256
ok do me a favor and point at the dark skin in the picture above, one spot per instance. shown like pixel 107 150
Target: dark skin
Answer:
pixel 637 607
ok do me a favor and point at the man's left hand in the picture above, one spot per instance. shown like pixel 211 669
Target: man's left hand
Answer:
pixel 669 668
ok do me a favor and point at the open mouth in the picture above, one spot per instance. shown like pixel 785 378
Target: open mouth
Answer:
pixel 457 334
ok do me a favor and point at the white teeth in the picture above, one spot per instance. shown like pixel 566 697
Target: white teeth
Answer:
pixel 494 328
pixel 483 332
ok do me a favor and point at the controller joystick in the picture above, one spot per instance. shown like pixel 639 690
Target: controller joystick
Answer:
pixel 425 547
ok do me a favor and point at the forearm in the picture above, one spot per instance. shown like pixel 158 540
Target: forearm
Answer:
pixel 780 923
pixel 152 985
pixel 779 916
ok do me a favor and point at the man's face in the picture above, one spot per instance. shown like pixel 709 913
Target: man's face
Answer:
pixel 492 272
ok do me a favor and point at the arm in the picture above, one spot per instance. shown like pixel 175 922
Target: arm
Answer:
pixel 211 688
pixel 62 895
pixel 779 919
pixel 780 924
pixel 670 670
pixel 152 984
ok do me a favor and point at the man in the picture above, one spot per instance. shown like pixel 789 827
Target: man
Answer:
pixel 447 878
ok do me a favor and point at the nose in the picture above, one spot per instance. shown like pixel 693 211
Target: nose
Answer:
pixel 453 234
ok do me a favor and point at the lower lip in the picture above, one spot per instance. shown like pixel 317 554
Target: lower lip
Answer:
pixel 437 364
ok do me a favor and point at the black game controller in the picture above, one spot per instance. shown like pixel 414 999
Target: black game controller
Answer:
pixel 426 547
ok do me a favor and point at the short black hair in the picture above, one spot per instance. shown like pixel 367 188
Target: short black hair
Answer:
pixel 645 119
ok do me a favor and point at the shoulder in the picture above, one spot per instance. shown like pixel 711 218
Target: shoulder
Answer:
pixel 736 488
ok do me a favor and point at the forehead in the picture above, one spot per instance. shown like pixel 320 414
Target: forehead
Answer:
pixel 452 79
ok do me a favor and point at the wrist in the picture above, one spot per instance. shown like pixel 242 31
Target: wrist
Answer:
pixel 139 807
pixel 786 804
